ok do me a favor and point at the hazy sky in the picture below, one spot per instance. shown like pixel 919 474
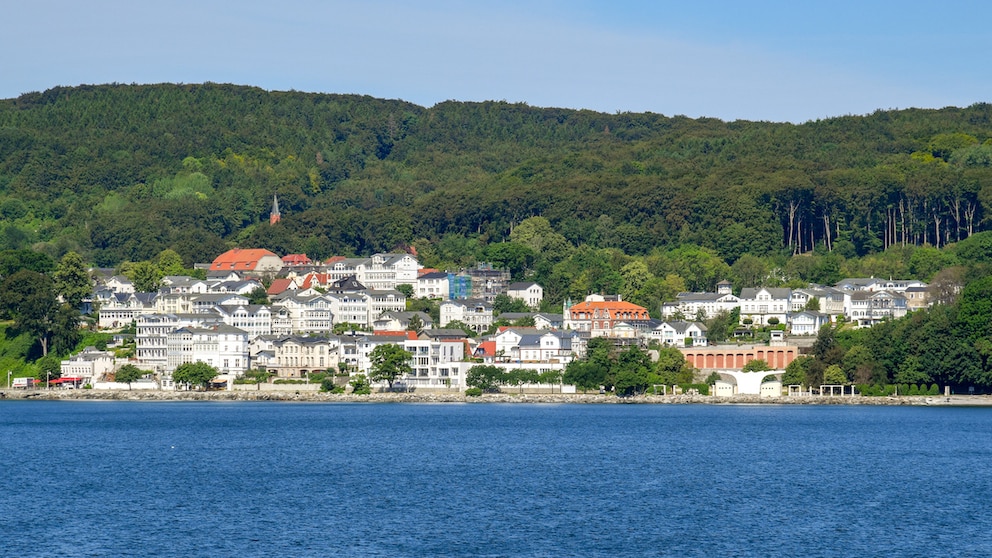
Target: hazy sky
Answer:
pixel 790 60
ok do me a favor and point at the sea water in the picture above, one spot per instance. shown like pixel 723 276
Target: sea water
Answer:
pixel 286 479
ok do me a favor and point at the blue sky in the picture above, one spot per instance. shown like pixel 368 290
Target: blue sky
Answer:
pixel 758 60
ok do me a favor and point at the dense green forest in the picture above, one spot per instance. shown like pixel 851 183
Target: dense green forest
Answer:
pixel 121 172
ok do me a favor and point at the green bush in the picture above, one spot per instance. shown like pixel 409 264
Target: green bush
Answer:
pixel 328 385
pixel 360 385
pixel 934 390
pixel 473 392
pixel 703 389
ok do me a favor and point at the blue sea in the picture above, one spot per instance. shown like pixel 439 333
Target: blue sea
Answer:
pixel 288 479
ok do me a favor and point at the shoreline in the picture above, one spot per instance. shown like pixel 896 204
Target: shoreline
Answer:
pixel 609 399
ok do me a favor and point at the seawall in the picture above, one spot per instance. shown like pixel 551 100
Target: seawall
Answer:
pixel 457 397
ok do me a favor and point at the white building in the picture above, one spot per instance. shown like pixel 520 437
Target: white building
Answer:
pixel 89 365
pixel 807 322
pixel 675 333
pixel 435 363
pixel 477 314
pixel 433 285
pixel 764 303
pixel 121 309
pixel 298 356
pixel 689 306
pixel 528 291
pixel 222 346
pixel 152 331
pixel 386 271
pixel 867 308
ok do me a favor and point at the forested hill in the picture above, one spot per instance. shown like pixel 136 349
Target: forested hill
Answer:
pixel 119 173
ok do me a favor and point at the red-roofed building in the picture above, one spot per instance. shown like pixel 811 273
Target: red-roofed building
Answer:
pixel 599 315
pixel 243 260
pixel 295 260
pixel 279 286
pixel 485 350
pixel 314 279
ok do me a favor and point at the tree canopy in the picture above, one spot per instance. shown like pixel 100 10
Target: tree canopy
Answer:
pixel 389 362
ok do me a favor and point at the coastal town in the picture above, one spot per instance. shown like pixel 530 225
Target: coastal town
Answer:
pixel 326 318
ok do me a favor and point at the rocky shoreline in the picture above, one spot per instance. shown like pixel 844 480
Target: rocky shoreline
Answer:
pixel 290 396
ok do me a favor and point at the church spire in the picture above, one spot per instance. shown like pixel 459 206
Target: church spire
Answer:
pixel 274 216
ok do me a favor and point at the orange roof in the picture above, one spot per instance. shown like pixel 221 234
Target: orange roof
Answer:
pixel 613 308
pixel 426 270
pixel 486 348
pixel 239 259
pixel 314 279
pixel 295 259
pixel 333 259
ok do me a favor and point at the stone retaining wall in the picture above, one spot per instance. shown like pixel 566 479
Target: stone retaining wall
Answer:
pixel 458 397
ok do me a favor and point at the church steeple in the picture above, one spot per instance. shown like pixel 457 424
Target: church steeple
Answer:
pixel 274 216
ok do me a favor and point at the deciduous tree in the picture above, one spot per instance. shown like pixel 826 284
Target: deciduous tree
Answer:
pixel 389 362
pixel 194 374
pixel 127 374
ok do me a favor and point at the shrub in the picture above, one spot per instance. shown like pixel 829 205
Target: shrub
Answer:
pixel 934 390
pixel 703 389
pixel 328 385
pixel 473 392
pixel 360 385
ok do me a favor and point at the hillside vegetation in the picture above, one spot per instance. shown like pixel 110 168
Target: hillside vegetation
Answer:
pixel 123 172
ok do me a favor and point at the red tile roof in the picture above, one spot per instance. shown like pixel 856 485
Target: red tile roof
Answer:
pixel 240 259
pixel 611 310
pixel 296 259
pixel 278 286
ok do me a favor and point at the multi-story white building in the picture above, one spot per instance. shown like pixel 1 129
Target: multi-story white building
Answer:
pixel 477 314
pixel 384 272
pixel 255 319
pixel 434 363
pixel 352 308
pixel 222 346
pixel 867 308
pixel 88 365
pixel 550 347
pixel 308 310
pixel 690 306
pixel 121 309
pixel 765 303
pixel 152 331
pixel 433 285
pixel 675 333
pixel 381 302
pixel 807 322
pixel 528 291
pixel 298 356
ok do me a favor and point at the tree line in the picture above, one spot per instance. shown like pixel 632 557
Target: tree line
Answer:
pixel 120 173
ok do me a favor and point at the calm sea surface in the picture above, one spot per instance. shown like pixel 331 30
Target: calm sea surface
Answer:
pixel 280 479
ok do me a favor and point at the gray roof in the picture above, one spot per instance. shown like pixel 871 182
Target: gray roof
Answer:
pixel 437 333
pixel 751 292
